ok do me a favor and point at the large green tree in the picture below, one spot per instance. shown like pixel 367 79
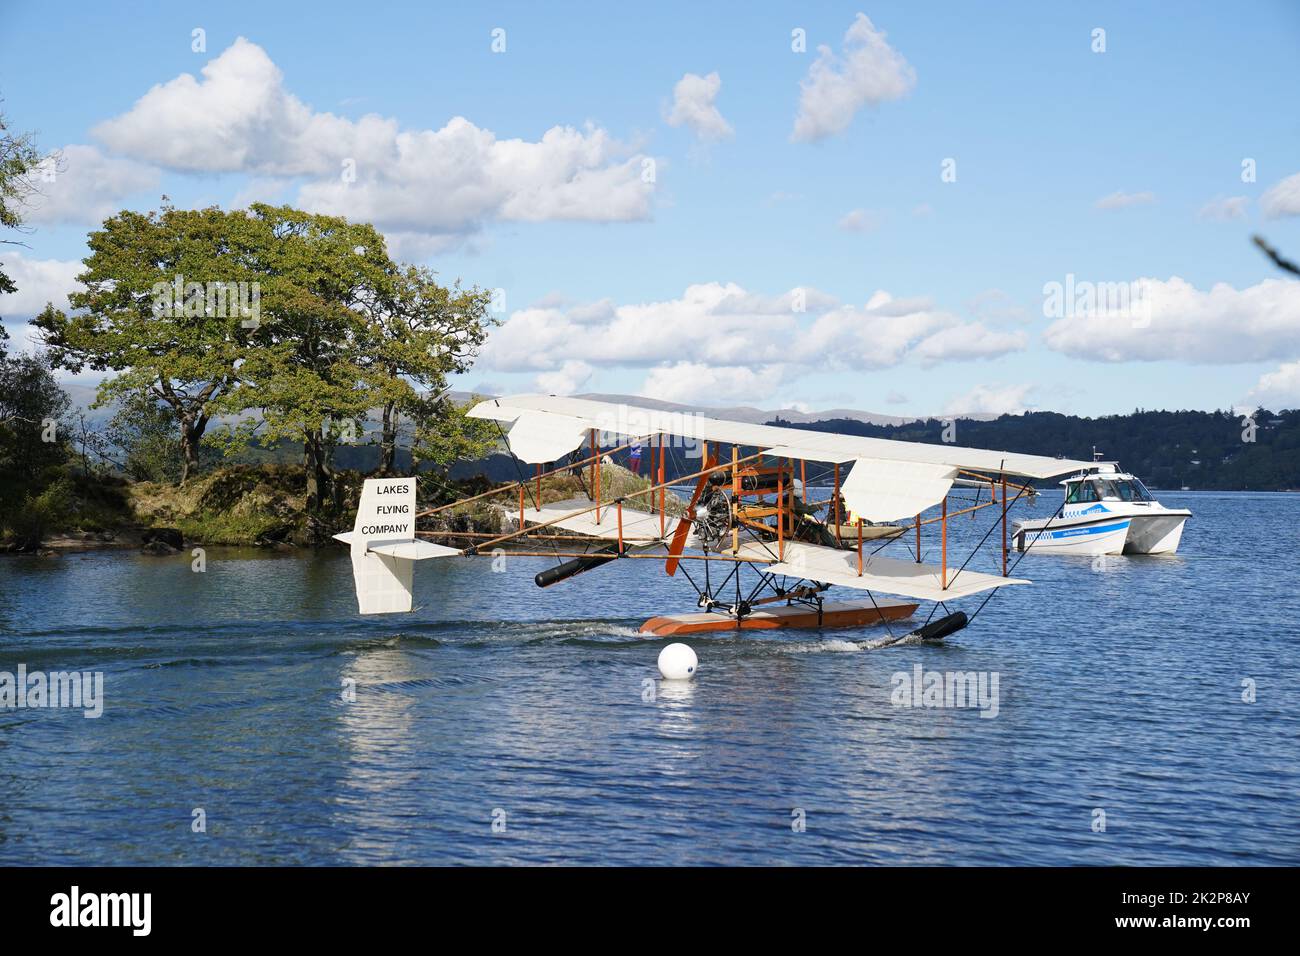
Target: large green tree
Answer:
pixel 417 334
pixel 335 331
pixel 161 310
pixel 306 375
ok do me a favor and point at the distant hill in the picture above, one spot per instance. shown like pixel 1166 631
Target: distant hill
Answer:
pixel 755 416
pixel 743 413
pixel 1199 450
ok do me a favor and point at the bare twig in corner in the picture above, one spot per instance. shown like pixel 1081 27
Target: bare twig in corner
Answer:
pixel 1273 254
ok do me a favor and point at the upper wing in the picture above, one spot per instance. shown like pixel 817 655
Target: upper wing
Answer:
pixel 565 418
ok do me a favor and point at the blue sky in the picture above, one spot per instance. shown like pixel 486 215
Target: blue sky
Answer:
pixel 922 295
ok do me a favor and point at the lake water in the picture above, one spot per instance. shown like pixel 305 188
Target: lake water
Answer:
pixel 1120 691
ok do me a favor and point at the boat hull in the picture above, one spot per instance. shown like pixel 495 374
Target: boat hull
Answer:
pixel 1105 512
pixel 1103 536
pixel 1155 534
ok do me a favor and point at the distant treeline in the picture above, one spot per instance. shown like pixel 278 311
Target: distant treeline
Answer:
pixel 1200 450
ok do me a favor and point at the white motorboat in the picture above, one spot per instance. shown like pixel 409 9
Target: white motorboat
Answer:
pixel 1106 511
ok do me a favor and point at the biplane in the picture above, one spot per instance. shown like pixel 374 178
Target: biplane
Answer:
pixel 765 541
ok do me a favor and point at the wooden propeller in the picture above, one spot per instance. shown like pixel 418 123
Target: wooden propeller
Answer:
pixel 683 529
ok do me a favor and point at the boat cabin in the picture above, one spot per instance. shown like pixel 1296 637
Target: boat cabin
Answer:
pixel 1112 486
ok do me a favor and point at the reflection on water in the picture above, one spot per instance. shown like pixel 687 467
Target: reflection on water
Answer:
pixel 310 735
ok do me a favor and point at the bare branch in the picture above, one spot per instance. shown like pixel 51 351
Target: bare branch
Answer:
pixel 1284 264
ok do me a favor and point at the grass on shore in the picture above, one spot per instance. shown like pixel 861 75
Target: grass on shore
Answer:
pixel 239 504
pixel 265 504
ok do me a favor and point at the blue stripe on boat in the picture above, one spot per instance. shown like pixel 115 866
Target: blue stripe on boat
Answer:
pixel 1099 529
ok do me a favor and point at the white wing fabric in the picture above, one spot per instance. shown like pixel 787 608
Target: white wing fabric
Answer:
pixel 880 490
pixel 541 437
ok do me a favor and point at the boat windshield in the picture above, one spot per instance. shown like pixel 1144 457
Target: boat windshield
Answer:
pixel 1082 491
pixel 1101 489
pixel 1127 490
pixel 1139 491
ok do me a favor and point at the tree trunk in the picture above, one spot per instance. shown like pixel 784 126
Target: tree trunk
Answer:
pixel 317 470
pixel 388 440
pixel 191 434
pixel 193 423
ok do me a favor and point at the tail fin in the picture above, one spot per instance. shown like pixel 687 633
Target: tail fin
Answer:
pixel 384 547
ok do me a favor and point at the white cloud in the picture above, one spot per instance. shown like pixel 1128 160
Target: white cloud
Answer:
pixel 888 331
pixel 923 210
pixel 860 220
pixel 406 245
pixel 996 306
pixel 801 300
pixel 896 398
pixel 867 72
pixel 698 383
pixel 86 187
pixel 748 341
pixel 694 106
pixel 1179 322
pixel 447 182
pixel 1224 210
pixel 238 117
pixel 566 380
pixel 969 341
pixel 1275 390
pixel 991 400
pixel 1282 199
pixel 39 281
pixel 1122 200
pixel 452 180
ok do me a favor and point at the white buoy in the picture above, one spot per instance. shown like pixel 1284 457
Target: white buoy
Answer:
pixel 677 662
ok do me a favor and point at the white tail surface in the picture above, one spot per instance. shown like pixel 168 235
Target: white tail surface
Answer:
pixel 384 547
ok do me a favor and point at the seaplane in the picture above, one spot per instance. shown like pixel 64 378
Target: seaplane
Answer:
pixel 765 541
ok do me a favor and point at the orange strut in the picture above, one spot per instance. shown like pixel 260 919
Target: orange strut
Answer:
pixel 683 529
pixel 859 547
